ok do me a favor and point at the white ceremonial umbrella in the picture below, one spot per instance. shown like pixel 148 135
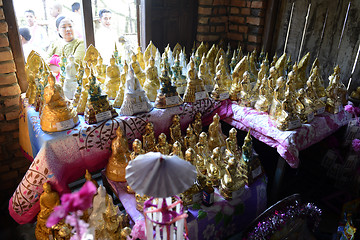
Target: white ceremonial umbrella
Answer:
pixel 160 176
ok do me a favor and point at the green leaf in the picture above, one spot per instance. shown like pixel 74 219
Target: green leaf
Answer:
pixel 239 209
pixel 196 206
pixel 218 217
pixel 201 214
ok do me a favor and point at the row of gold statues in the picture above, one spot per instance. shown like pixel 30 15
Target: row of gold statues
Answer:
pixel 217 159
pixel 283 91
pixel 104 218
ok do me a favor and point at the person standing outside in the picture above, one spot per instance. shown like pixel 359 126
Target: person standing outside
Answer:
pixel 78 25
pixel 55 12
pixel 39 40
pixel 105 36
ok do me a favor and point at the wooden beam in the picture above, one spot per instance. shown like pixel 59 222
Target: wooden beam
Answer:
pixel 87 20
pixel 269 28
pixel 15 44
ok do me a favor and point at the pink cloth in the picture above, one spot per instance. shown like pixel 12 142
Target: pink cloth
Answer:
pixel 65 157
pixel 287 143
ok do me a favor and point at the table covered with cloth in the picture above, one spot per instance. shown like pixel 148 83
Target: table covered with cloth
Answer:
pixel 62 157
pixel 219 221
pixel 287 143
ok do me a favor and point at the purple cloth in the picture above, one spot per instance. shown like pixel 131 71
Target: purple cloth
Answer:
pixel 287 143
pixel 222 219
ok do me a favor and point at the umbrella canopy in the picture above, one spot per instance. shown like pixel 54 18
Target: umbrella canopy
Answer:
pixel 160 176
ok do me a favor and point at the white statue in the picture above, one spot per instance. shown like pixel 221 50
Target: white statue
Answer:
pixel 70 83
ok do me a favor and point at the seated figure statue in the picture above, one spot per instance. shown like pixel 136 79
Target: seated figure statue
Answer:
pixel 57 113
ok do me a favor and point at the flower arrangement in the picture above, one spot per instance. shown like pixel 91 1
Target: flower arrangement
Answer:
pixel 72 207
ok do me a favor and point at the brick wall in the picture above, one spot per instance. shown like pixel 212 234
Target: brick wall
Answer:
pixel 234 21
pixel 13 164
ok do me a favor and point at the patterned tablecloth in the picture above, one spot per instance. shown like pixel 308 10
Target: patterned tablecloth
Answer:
pixel 219 221
pixel 63 157
pixel 287 143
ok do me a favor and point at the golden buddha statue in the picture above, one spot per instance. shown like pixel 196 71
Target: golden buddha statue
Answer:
pixel 178 79
pixel 197 125
pixel 167 96
pixel 175 131
pixel 216 137
pixel 226 78
pixel 120 93
pixel 140 58
pixel 32 70
pixel 32 89
pixel 120 156
pixel 232 148
pixel 177 50
pixel 202 149
pixel 98 107
pixel 79 77
pixel 111 228
pixel 303 64
pixel 163 147
pixel 194 193
pixel 84 92
pixel 218 61
pixel 201 50
pixel 278 97
pixel 274 60
pixel 190 138
pixel 304 107
pixel 177 150
pixel 273 76
pixel 263 102
pixel 195 89
pixel 101 70
pixel 261 75
pixel 152 83
pixel 319 105
pixel 210 56
pixel 57 113
pixel 246 98
pixel 213 170
pixel 88 177
pixel 318 80
pixel 149 138
pixel 91 57
pixel 125 233
pixel 231 181
pixel 280 65
pixel 137 149
pixel 48 200
pixel 335 92
pixel 205 76
pixel 237 75
pixel 220 91
pixel 112 82
pixel 140 75
pixel 149 51
pixel 252 63
pixel 288 119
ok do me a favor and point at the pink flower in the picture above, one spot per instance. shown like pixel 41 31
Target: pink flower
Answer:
pixel 356 145
pixel 72 202
pixel 138 231
pixel 349 108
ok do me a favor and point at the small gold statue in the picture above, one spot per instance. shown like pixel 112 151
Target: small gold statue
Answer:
pixel 176 150
pixel 275 109
pixel 101 70
pixel 140 58
pixel 137 149
pixel 120 93
pixel 210 56
pixel 120 156
pixel 304 107
pixel 57 113
pixel 213 170
pixel 336 93
pixel 318 80
pixel 149 51
pixel 175 131
pixel 79 77
pixel 31 90
pixel 190 138
pixel 111 229
pixel 84 92
pixel 237 75
pixel 303 64
pixel 113 81
pixel 221 88
pixel 318 104
pixel 162 146
pixel 232 148
pixel 216 137
pixel 152 83
pixel 178 79
pixel 231 180
pixel 88 177
pixel 197 125
pixel 91 57
pixel 245 95
pixel 222 67
pixel 149 138
pixel 203 152
pixel 195 89
pixel 98 107
pixel 140 75
pixel 288 119
pixel 205 76
pixel 48 200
